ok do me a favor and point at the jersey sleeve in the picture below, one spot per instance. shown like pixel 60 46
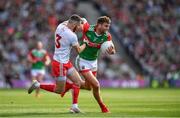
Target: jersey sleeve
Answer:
pixel 30 53
pixel 74 40
pixel 86 27
pixel 109 37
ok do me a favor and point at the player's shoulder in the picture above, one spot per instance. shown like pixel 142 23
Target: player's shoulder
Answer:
pixel 60 26
pixel 70 34
pixel 33 50
pixel 30 52
pixel 65 31
pixel 91 27
pixel 43 51
pixel 108 35
pixel 73 35
pixel 86 26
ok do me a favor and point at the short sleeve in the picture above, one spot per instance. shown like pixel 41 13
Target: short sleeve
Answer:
pixel 74 40
pixel 86 27
pixel 30 53
pixel 109 37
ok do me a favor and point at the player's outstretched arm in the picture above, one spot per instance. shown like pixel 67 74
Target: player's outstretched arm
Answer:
pixel 30 59
pixel 79 48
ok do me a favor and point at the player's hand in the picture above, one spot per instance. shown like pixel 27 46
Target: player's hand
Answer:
pixel 85 41
pixel 47 60
pixel 110 50
pixel 46 63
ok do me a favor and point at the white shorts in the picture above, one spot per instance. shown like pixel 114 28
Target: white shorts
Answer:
pixel 36 72
pixel 85 65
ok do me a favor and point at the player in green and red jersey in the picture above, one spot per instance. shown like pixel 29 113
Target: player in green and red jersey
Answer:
pixel 86 61
pixel 39 59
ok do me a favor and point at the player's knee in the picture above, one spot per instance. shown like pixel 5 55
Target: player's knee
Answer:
pixel 77 83
pixel 96 85
pixel 82 82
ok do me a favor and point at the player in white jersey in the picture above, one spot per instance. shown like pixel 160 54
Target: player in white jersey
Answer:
pixel 65 39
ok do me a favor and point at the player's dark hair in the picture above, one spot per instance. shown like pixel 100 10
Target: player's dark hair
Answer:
pixel 103 19
pixel 75 18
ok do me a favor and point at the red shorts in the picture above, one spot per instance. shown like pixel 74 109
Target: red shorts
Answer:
pixel 60 69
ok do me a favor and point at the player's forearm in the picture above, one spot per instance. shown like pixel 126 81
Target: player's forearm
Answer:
pixel 48 61
pixel 30 59
pixel 81 48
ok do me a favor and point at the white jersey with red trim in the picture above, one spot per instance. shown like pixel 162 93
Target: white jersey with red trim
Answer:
pixel 64 40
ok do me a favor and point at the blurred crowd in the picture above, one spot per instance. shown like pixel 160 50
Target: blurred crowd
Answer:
pixel 150 30
pixel 22 24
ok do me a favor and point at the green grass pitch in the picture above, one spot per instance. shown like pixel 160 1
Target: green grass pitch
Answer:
pixel 121 102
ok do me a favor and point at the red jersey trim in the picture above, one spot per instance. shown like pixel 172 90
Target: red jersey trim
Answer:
pixel 109 37
pixel 83 71
pixel 86 27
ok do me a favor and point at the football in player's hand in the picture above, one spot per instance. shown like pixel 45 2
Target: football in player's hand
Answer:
pixel 106 47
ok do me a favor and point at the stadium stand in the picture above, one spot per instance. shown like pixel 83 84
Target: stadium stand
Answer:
pixel 150 30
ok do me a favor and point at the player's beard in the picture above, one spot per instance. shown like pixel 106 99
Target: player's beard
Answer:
pixel 103 31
